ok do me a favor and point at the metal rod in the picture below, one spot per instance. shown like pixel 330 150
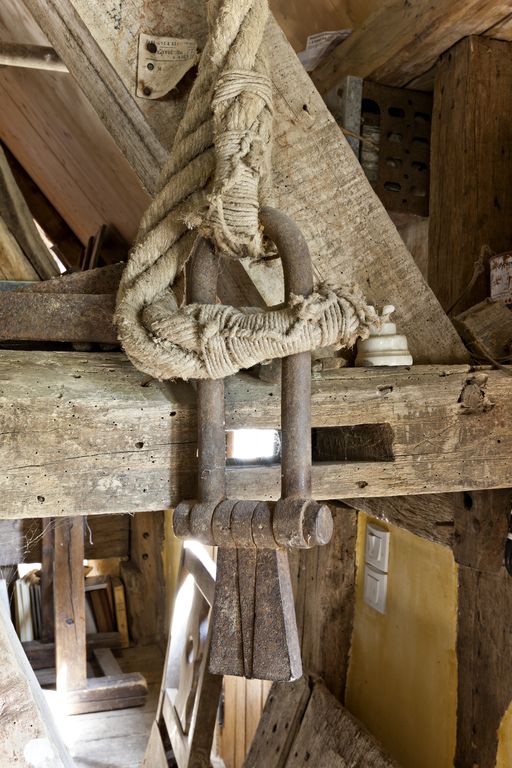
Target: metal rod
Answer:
pixel 211 435
pixel 31 57
pixel 296 375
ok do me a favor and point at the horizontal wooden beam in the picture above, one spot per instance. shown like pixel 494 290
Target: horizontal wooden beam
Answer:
pixel 30 56
pixel 87 433
pixel 402 40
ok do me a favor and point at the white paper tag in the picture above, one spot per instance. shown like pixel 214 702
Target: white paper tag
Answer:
pixel 162 62
pixel 319 46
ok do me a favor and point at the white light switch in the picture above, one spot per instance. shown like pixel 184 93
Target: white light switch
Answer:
pixel 377 547
pixel 375 588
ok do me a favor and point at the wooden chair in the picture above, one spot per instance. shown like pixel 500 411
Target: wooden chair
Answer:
pixel 189 695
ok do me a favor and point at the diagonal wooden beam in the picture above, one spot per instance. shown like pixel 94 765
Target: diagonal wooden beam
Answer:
pixel 402 40
pixel 318 181
pixel 28 735
pixel 19 220
pixel 107 94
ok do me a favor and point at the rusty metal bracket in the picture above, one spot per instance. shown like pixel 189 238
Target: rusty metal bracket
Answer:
pixel 254 630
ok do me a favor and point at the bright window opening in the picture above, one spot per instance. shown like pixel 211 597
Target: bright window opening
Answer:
pixel 253 444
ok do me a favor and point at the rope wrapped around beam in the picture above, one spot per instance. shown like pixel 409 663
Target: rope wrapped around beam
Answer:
pixel 214 183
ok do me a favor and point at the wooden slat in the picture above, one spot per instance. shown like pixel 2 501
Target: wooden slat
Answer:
pixel 19 220
pixel 57 230
pixel 66 30
pixel 229 721
pixel 326 192
pixel 401 40
pixel 299 19
pixel 46 580
pixel 26 722
pixel 107 662
pixel 279 724
pixel 155 756
pixel 240 720
pixel 69 599
pixel 470 194
pixel 329 737
pixel 143 577
pixel 14 265
pixel 59 445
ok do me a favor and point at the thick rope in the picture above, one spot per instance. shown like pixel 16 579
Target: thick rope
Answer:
pixel 212 341
pixel 214 183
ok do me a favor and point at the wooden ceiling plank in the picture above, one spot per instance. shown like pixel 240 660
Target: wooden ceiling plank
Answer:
pixel 402 40
pixel 318 181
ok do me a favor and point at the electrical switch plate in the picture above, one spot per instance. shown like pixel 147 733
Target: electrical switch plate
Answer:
pixel 375 588
pixel 377 547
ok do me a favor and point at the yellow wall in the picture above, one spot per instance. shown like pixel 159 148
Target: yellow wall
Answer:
pixel 504 759
pixel 402 679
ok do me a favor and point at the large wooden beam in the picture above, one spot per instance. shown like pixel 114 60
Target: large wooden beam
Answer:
pixel 28 735
pixel 471 166
pixel 402 40
pixel 87 432
pixel 318 181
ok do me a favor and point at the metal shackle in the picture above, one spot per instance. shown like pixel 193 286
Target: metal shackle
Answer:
pixel 212 519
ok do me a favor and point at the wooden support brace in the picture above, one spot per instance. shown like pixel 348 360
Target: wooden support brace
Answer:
pixel 28 735
pixel 69 600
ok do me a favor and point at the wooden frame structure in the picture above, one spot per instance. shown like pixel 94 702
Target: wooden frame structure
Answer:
pixel 100 433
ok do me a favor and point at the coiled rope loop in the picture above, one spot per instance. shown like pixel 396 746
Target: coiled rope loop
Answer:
pixel 216 179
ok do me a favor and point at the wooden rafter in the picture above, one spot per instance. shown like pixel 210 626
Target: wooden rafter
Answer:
pixel 402 40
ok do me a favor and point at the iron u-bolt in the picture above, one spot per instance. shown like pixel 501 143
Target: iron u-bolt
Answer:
pixel 296 372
